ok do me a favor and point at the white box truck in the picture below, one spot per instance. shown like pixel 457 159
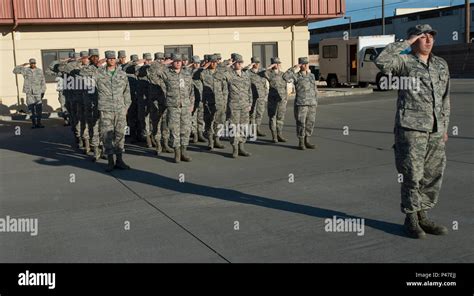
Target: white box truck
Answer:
pixel 351 61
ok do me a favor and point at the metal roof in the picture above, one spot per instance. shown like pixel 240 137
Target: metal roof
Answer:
pixel 107 11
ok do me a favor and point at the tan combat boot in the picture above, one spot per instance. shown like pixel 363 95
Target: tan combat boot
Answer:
pixel 429 226
pixel 184 154
pixel 110 164
pixel 166 147
pixel 242 151
pixel 177 155
pixel 217 143
pixel 281 138
pixel 308 144
pixel 412 227
pixel 301 145
pixel 120 164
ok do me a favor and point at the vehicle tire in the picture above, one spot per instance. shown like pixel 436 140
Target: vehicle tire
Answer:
pixel 332 81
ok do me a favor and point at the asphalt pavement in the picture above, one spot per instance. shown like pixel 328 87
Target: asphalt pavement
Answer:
pixel 270 207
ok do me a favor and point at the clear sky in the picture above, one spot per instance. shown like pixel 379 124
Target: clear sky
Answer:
pixel 361 10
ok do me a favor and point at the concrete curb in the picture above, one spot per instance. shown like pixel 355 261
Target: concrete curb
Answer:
pixel 27 118
pixel 343 93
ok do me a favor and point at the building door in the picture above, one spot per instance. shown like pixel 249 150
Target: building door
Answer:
pixel 265 51
pixel 353 63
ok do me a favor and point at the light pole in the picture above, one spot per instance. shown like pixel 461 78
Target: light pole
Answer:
pixel 468 21
pixel 350 24
pixel 383 17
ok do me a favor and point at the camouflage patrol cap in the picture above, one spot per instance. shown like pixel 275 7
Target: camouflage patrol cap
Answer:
pixel 232 55
pixel 212 58
pixel 275 60
pixel 77 55
pixel 134 57
pixel 185 57
pixel 93 52
pixel 303 61
pixel 195 59
pixel 110 54
pixel 177 57
pixel 218 56
pixel 159 55
pixel 32 61
pixel 167 55
pixel 255 60
pixel 84 54
pixel 420 29
pixel 122 54
pixel 147 56
pixel 238 58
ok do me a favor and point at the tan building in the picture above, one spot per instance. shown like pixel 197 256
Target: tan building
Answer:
pixel 48 30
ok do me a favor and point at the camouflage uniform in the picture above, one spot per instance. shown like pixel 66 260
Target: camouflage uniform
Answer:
pixel 277 100
pixel 91 102
pixel 306 100
pixel 113 101
pixel 240 100
pixel 143 98
pixel 198 112
pixel 68 96
pixel 53 70
pixel 157 91
pixel 179 101
pixel 214 100
pixel 259 94
pixel 77 97
pixel 34 87
pixel 422 118
pixel 132 112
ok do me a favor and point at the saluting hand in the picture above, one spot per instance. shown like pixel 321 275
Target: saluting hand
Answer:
pixel 414 38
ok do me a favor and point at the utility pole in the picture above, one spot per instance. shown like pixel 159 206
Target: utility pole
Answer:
pixel 383 16
pixel 350 24
pixel 468 21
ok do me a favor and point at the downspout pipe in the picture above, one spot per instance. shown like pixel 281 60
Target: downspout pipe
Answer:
pixel 15 26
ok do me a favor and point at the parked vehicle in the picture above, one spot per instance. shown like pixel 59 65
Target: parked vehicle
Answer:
pixel 351 61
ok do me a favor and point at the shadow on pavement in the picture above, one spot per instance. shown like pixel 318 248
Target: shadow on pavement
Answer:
pixel 55 150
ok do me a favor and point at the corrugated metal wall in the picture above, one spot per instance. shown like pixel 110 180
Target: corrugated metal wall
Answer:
pixel 37 11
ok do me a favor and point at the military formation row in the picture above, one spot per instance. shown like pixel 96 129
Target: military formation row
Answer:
pixel 167 100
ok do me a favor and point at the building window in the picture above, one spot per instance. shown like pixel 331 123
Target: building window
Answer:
pixel 369 53
pixel 330 52
pixel 449 12
pixel 50 55
pixel 182 49
pixel 429 14
pixel 265 51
